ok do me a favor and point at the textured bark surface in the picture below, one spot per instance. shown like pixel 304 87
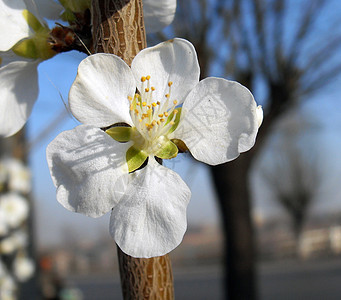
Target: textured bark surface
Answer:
pixel 143 278
pixel 118 28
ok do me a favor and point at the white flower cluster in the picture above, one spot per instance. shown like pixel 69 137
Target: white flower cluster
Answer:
pixel 14 210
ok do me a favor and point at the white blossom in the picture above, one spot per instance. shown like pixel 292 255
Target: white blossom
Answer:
pixel 15 175
pixel 15 208
pixel 96 171
pixel 23 268
pixel 17 240
pixel 8 288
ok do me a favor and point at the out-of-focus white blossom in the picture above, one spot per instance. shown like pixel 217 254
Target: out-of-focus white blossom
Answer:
pixel 15 241
pixel 17 174
pixel 3 224
pixel 8 287
pixel 15 209
pixel 23 268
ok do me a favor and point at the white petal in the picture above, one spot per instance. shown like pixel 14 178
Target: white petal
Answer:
pixel 158 14
pixel 99 93
pixel 84 164
pixel 174 60
pixel 259 115
pixel 19 91
pixel 13 26
pixel 150 219
pixel 48 9
pixel 219 121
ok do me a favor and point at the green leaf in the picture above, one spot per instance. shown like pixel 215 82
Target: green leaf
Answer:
pixel 120 134
pixel 68 16
pixel 76 5
pixel 176 121
pixel 168 150
pixel 135 158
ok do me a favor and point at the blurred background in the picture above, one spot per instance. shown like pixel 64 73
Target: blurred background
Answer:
pixel 266 224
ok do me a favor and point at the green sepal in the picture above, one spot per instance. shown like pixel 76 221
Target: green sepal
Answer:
pixel 135 158
pixel 168 150
pixel 120 134
pixel 180 144
pixel 176 121
pixel 36 47
pixel 33 22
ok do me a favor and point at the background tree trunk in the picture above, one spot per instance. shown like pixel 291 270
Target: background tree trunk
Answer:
pixel 231 182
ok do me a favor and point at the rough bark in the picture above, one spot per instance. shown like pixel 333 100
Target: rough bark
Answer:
pixel 146 278
pixel 118 28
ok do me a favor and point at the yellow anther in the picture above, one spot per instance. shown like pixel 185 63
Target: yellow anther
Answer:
pixel 171 122
pixel 170 83
pixel 158 122
pixel 136 95
pixel 144 103
pixel 136 111
pixel 175 102
pixel 143 79
pixel 153 104
pixel 144 115
pixel 158 102
pixel 175 111
pixel 162 120
pixel 138 103
pixel 131 107
pixel 166 114
pixel 160 115
pixel 167 96
pixel 140 120
pixel 149 106
pixel 149 111
pixel 146 124
pixel 153 88
pixel 154 123
pixel 148 77
pixel 130 98
pixel 146 90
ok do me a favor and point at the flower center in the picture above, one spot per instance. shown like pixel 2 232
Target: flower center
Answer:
pixel 154 120
pixel 151 117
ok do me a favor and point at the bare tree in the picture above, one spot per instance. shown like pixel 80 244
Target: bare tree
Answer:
pixel 284 51
pixel 291 168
